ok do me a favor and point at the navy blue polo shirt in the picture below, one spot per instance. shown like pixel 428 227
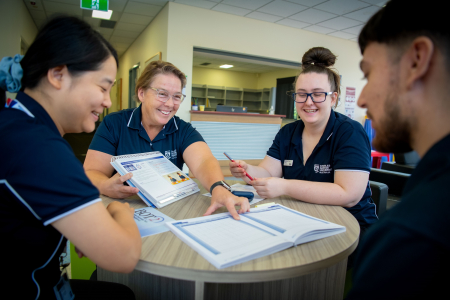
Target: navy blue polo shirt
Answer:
pixel 41 181
pixel 406 254
pixel 122 133
pixel 344 145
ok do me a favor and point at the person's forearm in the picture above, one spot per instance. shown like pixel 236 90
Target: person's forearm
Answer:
pixel 131 248
pixel 319 192
pixel 209 172
pixel 97 178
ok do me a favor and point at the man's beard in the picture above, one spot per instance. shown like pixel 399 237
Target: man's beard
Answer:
pixel 393 134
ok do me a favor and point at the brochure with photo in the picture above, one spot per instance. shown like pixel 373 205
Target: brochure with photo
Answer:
pixel 159 181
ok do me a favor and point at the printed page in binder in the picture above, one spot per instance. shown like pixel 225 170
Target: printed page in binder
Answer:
pixel 156 177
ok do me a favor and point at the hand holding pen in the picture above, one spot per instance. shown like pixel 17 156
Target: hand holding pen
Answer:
pixel 237 173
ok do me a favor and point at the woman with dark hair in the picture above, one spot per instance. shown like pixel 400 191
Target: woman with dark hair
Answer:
pixel 45 195
pixel 323 158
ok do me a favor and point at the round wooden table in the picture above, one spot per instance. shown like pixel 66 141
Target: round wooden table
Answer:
pixel 170 269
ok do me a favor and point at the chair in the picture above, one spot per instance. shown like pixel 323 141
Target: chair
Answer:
pixel 379 196
pixel 395 181
pixel 396 167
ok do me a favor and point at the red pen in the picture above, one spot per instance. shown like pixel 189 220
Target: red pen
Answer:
pixel 249 177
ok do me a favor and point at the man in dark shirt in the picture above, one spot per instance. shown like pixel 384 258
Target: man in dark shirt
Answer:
pixel 406 61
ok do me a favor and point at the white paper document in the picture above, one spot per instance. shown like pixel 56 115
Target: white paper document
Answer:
pixel 159 181
pixel 225 242
pixel 151 221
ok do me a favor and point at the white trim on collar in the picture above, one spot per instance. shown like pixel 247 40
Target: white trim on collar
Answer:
pixel 175 122
pixel 128 125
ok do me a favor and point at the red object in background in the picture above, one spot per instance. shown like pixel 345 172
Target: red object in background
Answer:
pixel 376 158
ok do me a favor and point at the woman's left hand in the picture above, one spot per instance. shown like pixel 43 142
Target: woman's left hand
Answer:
pixel 269 187
pixel 222 197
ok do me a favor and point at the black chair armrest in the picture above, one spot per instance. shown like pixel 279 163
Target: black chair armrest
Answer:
pixel 395 180
pixel 379 196
pixel 389 166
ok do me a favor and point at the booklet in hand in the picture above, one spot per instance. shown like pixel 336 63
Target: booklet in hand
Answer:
pixel 225 242
pixel 159 181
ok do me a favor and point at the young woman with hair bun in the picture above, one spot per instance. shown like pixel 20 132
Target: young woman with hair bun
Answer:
pixel 62 83
pixel 324 158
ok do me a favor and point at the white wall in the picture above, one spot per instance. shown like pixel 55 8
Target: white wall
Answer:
pixel 152 40
pixel 191 26
pixel 15 24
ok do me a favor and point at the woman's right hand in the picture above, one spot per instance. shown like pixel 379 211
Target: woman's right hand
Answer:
pixel 114 187
pixel 239 172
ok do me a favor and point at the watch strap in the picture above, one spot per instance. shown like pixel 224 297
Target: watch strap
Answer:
pixel 221 183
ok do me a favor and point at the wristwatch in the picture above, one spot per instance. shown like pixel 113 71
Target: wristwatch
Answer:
pixel 222 183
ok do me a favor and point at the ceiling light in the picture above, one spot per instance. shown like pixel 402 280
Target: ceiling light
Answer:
pixel 226 66
pixel 98 14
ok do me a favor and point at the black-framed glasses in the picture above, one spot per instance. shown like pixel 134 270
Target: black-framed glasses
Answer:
pixel 316 97
pixel 164 96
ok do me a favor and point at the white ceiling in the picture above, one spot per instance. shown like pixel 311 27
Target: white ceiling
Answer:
pixel 340 18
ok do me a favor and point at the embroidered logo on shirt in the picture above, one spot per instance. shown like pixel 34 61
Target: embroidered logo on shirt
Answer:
pixel 170 154
pixel 322 169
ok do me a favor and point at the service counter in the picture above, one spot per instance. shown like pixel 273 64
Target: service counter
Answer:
pixel 243 136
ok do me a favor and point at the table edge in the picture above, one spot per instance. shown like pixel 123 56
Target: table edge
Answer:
pixel 219 276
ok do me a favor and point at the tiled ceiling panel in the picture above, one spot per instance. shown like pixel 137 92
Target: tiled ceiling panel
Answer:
pixel 339 23
pixel 341 7
pixel 354 30
pixel 231 9
pixel 198 3
pixel 313 16
pixel 339 18
pixel 264 17
pixel 319 29
pixel 364 14
pixel 293 23
pixel 248 4
pixel 139 8
pixel 309 3
pixel 282 8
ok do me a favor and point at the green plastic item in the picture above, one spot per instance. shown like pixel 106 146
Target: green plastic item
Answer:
pixel 81 268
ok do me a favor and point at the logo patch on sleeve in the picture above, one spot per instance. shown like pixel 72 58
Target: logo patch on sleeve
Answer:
pixel 322 169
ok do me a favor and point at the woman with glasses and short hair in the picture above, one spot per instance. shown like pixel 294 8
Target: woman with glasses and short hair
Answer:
pixel 323 158
pixel 153 126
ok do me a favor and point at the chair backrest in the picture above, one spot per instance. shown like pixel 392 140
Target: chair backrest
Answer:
pixel 396 167
pixel 396 181
pixel 379 196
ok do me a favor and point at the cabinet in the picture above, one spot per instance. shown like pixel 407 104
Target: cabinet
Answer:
pixel 211 95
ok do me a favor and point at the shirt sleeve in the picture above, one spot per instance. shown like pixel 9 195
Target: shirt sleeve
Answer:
pixel 49 180
pixel 189 135
pixel 106 138
pixel 275 150
pixel 352 149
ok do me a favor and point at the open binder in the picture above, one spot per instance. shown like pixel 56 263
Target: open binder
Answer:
pixel 159 181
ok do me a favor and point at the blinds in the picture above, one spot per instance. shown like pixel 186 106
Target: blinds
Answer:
pixel 239 140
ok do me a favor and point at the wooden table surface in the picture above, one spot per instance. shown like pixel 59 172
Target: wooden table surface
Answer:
pixel 166 255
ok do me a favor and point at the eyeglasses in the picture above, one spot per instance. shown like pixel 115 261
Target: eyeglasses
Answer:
pixel 316 97
pixel 164 96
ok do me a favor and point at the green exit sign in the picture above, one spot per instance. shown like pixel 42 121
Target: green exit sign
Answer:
pixel 95 4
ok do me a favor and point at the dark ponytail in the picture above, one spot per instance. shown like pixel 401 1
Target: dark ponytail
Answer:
pixel 65 41
pixel 320 60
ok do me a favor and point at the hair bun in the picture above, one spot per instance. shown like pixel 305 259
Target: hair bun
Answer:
pixel 318 56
